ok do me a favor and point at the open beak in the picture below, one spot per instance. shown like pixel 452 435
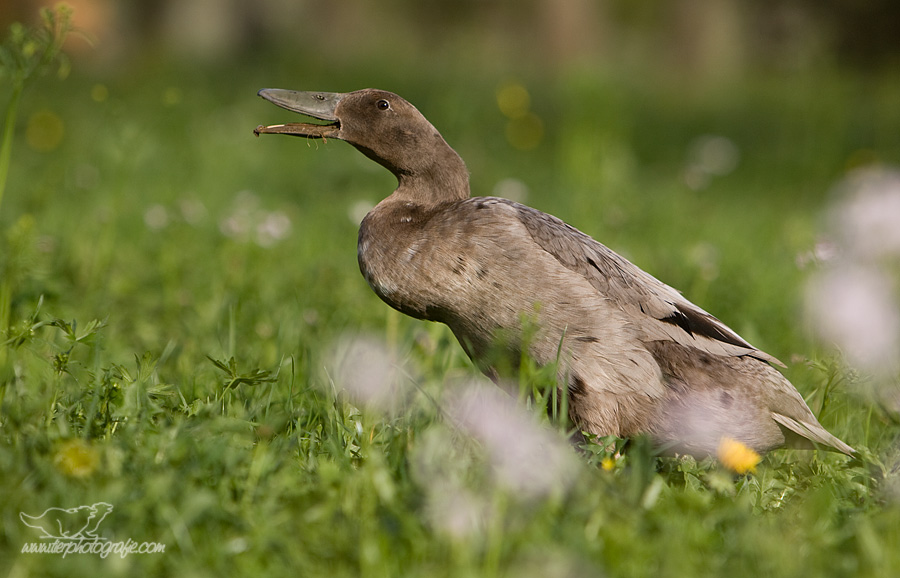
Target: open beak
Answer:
pixel 318 105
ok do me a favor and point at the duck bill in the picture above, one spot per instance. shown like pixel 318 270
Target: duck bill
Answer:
pixel 318 105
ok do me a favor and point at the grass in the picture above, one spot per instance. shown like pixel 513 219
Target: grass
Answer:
pixel 171 350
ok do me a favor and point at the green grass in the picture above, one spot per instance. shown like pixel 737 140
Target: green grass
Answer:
pixel 205 405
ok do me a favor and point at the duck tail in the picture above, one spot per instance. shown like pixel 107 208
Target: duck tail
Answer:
pixel 813 432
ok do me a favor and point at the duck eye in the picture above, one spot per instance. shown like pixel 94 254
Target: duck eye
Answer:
pixel 383 104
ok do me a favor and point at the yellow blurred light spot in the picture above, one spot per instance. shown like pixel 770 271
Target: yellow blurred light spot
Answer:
pixel 737 457
pixel 76 458
pixel 44 131
pixel 29 48
pixel 513 100
pixel 99 93
pixel 171 96
pixel 525 133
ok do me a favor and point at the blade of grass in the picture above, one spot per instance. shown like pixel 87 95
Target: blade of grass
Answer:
pixel 9 122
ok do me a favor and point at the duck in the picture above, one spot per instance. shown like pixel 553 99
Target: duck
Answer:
pixel 633 356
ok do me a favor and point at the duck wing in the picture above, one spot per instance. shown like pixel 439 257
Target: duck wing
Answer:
pixel 659 310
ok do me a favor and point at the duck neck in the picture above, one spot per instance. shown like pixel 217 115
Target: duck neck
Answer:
pixel 433 187
pixel 441 177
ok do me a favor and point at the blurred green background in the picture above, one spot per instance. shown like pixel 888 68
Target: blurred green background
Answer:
pixel 619 117
pixel 701 139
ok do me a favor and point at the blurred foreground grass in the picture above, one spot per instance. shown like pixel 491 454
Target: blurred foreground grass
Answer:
pixel 144 202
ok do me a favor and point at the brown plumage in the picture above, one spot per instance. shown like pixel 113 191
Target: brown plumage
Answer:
pixel 635 356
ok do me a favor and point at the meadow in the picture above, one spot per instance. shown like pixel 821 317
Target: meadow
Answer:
pixel 181 291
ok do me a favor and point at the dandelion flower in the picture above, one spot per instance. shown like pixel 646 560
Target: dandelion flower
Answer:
pixel 853 299
pixel 367 370
pixel 736 456
pixel 526 458
pixel 76 458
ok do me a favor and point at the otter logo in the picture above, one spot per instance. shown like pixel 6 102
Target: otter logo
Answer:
pixel 72 531
pixel 77 523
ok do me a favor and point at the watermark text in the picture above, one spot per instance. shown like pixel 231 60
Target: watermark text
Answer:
pixel 97 546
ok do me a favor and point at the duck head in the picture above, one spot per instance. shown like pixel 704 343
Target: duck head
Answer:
pixel 384 127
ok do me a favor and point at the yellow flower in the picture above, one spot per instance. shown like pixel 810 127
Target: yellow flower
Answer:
pixel 76 458
pixel 608 464
pixel 736 456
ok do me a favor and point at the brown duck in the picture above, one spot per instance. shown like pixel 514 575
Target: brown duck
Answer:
pixel 635 356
